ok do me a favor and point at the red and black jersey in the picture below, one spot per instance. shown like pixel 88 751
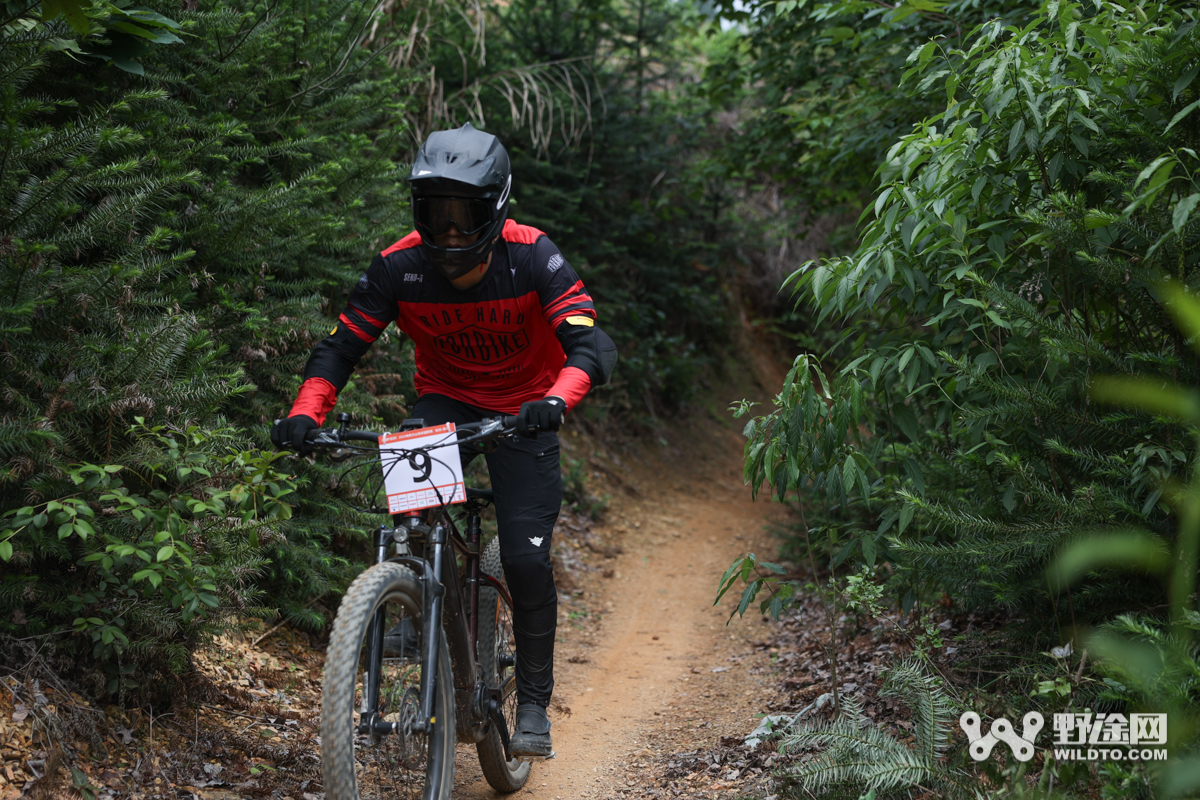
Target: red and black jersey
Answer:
pixel 494 346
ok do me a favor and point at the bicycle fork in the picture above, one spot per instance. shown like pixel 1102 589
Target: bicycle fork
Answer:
pixel 370 720
pixel 431 629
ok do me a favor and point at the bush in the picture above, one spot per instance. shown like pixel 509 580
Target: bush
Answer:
pixel 144 553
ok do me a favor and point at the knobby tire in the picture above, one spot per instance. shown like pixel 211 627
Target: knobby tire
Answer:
pixel 357 767
pixel 495 638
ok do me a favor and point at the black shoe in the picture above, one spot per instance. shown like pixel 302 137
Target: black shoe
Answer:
pixel 401 641
pixel 532 736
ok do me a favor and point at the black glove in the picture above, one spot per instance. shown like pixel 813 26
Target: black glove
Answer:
pixel 540 415
pixel 288 434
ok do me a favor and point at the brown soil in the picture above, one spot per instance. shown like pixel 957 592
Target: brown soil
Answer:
pixel 653 669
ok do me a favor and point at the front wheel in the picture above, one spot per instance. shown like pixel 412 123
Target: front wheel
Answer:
pixel 497 650
pixel 407 763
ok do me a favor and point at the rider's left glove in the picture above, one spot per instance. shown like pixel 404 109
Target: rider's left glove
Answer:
pixel 288 434
pixel 540 415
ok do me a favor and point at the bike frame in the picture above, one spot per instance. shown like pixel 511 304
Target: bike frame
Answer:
pixel 442 605
pixel 445 605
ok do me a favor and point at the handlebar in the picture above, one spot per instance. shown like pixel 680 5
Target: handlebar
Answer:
pixel 468 433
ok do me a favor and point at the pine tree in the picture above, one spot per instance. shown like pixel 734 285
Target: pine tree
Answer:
pixel 171 245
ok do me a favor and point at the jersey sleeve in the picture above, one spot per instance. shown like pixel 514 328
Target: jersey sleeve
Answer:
pixel 559 289
pixel 369 310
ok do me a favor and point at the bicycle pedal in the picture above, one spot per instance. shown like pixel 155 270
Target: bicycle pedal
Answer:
pixel 537 758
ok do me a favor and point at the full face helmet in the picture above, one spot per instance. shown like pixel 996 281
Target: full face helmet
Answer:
pixel 462 178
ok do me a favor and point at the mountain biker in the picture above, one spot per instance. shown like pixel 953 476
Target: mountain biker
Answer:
pixel 501 325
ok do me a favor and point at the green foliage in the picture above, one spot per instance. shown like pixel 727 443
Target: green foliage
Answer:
pixel 812 445
pixel 1011 253
pixel 168 246
pixel 143 553
pixel 741 570
pixel 1010 277
pixel 827 101
pixel 1147 666
pixel 857 756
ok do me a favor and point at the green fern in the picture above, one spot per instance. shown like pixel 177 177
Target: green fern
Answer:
pixel 857 756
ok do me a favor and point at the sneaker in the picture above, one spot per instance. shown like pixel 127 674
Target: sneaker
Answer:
pixel 532 736
pixel 401 641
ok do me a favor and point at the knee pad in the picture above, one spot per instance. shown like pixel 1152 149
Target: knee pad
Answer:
pixel 530 580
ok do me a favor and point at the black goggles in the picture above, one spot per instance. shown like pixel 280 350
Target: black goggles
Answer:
pixel 435 215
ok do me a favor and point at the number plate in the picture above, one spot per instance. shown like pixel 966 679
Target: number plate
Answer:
pixel 406 491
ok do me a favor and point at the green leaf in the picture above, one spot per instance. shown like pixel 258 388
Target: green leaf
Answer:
pixel 1152 397
pixel 906 420
pixel 1183 210
pixel 837 35
pixel 1131 550
pixel 1186 110
pixel 843 554
pixel 165 552
pixel 1009 500
pixel 1184 81
pixel 1160 176
pixel 1150 169
pixel 996 246
pixel 74 11
pixel 747 597
pixel 868 549
pixel 6 550
pixel 1184 308
pixel 913 468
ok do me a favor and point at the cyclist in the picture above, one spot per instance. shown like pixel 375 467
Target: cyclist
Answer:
pixel 501 325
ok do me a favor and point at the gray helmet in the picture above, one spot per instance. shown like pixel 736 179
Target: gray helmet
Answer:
pixel 460 177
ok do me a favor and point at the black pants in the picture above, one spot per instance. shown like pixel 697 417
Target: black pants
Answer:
pixel 528 485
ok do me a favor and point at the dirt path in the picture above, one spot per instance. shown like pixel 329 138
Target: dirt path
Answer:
pixel 654 671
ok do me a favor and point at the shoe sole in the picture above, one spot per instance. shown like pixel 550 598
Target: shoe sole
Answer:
pixel 536 758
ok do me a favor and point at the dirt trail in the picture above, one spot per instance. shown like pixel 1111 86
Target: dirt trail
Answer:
pixel 658 659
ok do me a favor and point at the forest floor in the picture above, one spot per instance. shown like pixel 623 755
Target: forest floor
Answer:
pixel 655 693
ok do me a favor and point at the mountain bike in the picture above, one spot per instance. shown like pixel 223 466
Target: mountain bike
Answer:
pixel 422 653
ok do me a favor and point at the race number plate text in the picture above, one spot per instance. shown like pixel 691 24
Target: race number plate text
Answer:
pixel 406 491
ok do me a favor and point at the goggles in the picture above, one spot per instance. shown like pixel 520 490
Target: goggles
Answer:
pixel 434 215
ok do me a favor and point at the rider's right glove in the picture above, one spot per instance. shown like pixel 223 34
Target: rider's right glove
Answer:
pixel 288 434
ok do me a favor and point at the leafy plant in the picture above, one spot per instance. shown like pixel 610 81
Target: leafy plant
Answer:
pixel 148 556
pixel 1005 261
